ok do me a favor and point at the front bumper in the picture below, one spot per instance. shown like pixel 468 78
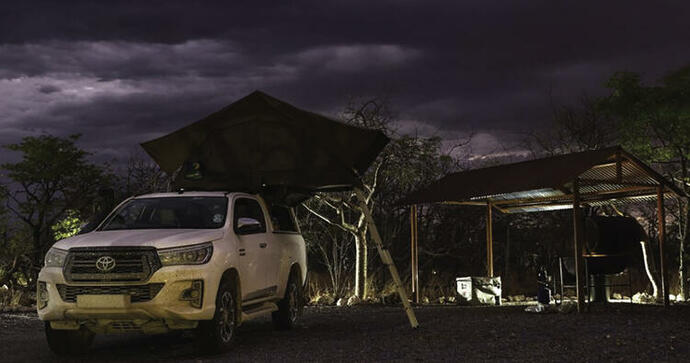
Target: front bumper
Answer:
pixel 166 305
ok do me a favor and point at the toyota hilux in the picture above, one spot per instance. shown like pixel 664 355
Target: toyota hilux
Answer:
pixel 171 261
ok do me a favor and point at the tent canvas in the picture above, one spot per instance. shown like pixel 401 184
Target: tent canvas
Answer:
pixel 260 142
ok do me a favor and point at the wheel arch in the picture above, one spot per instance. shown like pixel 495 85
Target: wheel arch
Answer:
pixel 296 269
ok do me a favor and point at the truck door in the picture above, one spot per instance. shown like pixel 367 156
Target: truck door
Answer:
pixel 281 245
pixel 252 251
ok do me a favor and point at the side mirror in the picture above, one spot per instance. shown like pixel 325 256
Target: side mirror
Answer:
pixel 248 226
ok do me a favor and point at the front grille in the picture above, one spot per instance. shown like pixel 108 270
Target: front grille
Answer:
pixel 131 264
pixel 125 326
pixel 137 293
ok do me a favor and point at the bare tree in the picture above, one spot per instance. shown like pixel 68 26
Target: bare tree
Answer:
pixel 144 176
pixel 329 248
pixel 585 126
pixel 406 164
pixel 343 212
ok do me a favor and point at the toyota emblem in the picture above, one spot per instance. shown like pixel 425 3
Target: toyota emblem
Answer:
pixel 105 263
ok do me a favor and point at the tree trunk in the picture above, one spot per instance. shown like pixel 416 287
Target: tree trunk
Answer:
pixel 645 261
pixel 683 239
pixel 506 266
pixel 37 254
pixel 361 266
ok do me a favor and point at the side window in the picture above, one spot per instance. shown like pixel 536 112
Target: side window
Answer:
pixel 249 208
pixel 282 219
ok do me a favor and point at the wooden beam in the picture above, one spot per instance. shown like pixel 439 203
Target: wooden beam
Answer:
pixel 518 209
pixel 414 250
pixel 509 205
pixel 386 258
pixel 489 241
pixel 566 198
pixel 661 214
pixel 412 208
pixel 465 203
pixel 619 167
pixel 476 204
pixel 652 173
pixel 603 165
pixel 584 181
pixel 577 247
pixel 499 208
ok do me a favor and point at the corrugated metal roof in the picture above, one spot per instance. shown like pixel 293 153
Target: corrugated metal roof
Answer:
pixel 609 174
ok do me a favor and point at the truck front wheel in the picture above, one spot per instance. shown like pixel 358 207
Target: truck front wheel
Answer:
pixel 217 335
pixel 66 342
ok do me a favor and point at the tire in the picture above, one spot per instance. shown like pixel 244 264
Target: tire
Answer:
pixel 69 342
pixel 290 307
pixel 217 335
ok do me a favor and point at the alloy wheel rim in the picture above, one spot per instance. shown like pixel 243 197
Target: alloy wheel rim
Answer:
pixel 227 317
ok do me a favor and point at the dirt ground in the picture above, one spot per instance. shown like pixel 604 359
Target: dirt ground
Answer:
pixel 615 332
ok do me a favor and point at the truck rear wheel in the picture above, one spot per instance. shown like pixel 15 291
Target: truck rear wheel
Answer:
pixel 290 307
pixel 68 342
pixel 217 334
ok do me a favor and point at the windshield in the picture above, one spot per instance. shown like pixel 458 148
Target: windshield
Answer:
pixel 169 212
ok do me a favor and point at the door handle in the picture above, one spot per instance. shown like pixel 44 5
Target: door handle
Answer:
pixel 262 244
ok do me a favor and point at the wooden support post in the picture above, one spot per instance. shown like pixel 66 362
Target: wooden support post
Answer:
pixel 414 253
pixel 661 214
pixel 619 167
pixel 580 278
pixel 489 242
pixel 386 257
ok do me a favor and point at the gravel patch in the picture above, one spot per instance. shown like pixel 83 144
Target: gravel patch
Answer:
pixel 616 332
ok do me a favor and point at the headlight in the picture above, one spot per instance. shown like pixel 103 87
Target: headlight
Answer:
pixel 41 295
pixel 189 255
pixel 55 257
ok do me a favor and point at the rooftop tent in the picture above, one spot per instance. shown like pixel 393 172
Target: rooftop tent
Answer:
pixel 260 142
pixel 263 145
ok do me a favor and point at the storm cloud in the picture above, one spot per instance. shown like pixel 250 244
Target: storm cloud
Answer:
pixel 122 72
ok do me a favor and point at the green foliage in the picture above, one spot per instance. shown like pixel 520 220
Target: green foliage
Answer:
pixel 655 124
pixel 67 226
pixel 52 177
pixel 654 120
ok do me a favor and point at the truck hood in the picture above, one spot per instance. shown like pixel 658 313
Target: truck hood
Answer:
pixel 158 238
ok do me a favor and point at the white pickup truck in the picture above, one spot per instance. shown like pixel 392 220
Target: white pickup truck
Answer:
pixel 160 262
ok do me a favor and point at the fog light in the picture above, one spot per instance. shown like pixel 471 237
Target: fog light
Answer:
pixel 194 294
pixel 41 295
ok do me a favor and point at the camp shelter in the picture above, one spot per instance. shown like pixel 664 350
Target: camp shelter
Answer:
pixel 570 181
pixel 260 144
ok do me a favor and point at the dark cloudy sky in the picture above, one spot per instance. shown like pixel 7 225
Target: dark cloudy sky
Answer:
pixel 122 72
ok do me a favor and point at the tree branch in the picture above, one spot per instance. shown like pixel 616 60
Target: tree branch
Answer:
pixel 345 227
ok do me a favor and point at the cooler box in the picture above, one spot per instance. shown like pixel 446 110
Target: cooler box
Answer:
pixel 479 290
